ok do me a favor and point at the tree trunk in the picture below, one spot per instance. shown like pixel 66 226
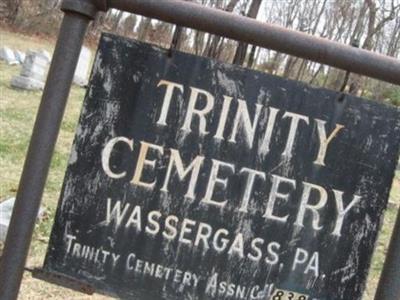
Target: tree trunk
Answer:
pixel 117 21
pixel 252 54
pixel 143 29
pixel 214 41
pixel 128 25
pixel 373 28
pixel 177 38
pixel 198 42
pixel 241 50
pixel 97 24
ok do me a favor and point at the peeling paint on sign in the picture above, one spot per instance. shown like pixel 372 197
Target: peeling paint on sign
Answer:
pixel 193 179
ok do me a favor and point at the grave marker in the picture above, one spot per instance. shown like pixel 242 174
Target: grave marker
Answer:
pixel 6 208
pixel 33 73
pixel 82 68
pixel 46 54
pixel 20 56
pixel 8 55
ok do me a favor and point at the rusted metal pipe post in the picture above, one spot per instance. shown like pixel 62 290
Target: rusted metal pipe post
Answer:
pixel 48 120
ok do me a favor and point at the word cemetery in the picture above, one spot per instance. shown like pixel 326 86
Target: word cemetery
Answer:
pixel 193 179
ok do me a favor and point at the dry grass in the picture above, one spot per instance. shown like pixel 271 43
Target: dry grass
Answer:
pixel 18 110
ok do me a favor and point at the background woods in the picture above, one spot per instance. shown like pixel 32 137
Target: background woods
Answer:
pixel 369 24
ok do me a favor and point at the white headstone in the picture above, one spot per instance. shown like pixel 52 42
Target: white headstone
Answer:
pixel 8 55
pixel 20 56
pixel 33 73
pixel 82 68
pixel 35 66
pixel 46 55
pixel 6 208
pixel 26 83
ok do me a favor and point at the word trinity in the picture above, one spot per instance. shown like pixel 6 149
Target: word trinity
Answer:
pixel 242 120
pixel 193 179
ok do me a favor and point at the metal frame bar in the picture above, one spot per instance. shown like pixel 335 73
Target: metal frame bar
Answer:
pixel 78 14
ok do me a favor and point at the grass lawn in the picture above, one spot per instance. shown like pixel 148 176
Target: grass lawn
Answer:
pixel 17 113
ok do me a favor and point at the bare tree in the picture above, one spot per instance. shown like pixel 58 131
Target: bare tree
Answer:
pixel 116 21
pixel 241 50
pixel 214 43
pixel 144 28
pixel 393 48
pixel 374 26
pixel 128 25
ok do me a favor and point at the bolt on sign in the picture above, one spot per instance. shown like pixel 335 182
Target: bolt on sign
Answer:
pixel 193 179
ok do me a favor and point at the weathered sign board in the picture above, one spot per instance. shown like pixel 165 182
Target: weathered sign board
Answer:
pixel 194 179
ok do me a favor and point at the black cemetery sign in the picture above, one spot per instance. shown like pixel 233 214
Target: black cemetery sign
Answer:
pixel 194 179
